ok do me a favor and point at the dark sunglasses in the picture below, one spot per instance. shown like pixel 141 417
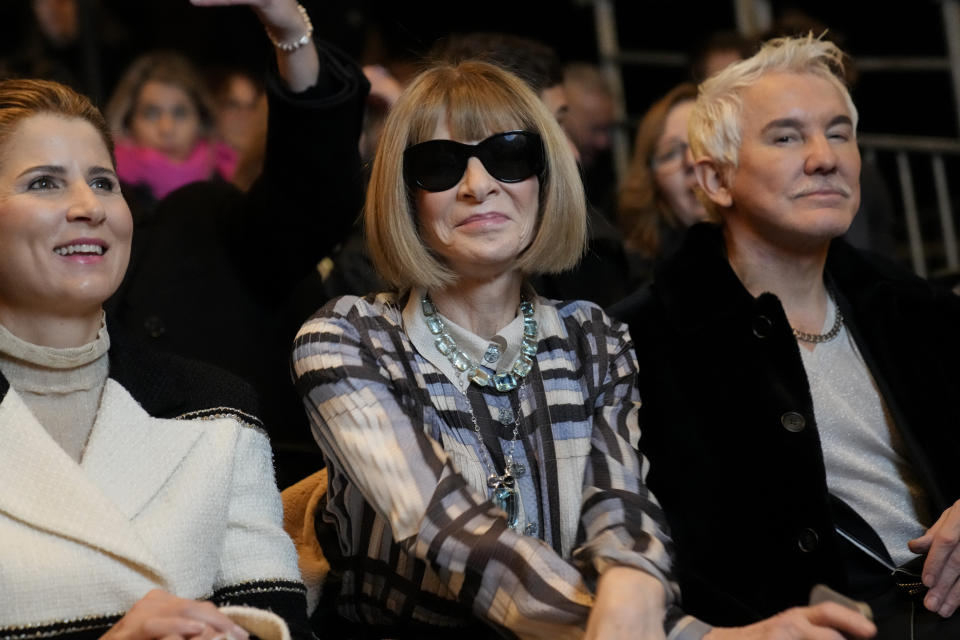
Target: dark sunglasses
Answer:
pixel 438 165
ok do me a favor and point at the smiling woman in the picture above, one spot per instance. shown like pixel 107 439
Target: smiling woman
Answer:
pixel 64 229
pixel 479 438
pixel 134 485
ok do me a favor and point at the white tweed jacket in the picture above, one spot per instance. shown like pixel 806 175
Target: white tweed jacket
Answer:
pixel 185 504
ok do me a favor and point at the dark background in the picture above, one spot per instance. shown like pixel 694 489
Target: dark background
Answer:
pixel 380 30
pixel 395 33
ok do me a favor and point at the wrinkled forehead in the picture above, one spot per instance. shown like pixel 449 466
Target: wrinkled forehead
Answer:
pixel 800 95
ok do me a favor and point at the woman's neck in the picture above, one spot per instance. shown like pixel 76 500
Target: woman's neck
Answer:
pixel 481 306
pixel 50 329
pixel 795 277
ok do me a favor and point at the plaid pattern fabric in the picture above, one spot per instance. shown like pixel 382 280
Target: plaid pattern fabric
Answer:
pixel 419 541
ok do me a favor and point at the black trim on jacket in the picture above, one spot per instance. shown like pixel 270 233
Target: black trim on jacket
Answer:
pixel 169 386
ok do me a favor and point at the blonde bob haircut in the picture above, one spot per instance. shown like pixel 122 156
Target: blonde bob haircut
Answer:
pixel 475 99
pixel 715 128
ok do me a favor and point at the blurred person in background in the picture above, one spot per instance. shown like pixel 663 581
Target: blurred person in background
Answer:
pixel 76 42
pixel 213 268
pixel 719 50
pixel 657 201
pixel 162 113
pixel 240 120
pixel 589 121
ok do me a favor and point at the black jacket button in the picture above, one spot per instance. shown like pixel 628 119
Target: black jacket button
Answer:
pixel 808 540
pixel 154 326
pixel 793 422
pixel 762 326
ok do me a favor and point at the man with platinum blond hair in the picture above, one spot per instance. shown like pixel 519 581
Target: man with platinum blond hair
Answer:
pixel 799 396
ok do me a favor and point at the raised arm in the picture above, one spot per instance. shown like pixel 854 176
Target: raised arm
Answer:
pixel 311 188
pixel 290 30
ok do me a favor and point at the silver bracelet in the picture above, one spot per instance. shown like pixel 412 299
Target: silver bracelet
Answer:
pixel 301 41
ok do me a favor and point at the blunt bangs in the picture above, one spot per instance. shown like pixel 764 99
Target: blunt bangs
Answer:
pixel 473 107
pixel 474 99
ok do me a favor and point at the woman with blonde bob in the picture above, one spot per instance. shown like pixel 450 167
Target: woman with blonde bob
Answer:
pixel 479 438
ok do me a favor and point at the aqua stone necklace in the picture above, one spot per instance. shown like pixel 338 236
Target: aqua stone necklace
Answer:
pixel 475 372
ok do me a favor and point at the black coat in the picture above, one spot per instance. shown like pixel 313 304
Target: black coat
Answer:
pixel 212 268
pixel 721 379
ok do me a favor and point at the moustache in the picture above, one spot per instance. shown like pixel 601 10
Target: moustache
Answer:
pixel 836 187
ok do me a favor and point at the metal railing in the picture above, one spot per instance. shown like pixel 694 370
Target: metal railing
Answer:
pixel 755 15
pixel 932 151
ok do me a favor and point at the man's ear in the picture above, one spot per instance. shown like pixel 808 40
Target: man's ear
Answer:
pixel 714 182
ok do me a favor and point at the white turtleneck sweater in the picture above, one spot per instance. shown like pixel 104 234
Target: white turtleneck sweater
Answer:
pixel 61 387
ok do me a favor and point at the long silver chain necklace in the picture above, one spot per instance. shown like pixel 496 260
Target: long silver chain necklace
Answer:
pixel 505 494
pixel 817 338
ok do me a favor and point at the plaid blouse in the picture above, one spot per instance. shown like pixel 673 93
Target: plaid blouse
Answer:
pixel 418 543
